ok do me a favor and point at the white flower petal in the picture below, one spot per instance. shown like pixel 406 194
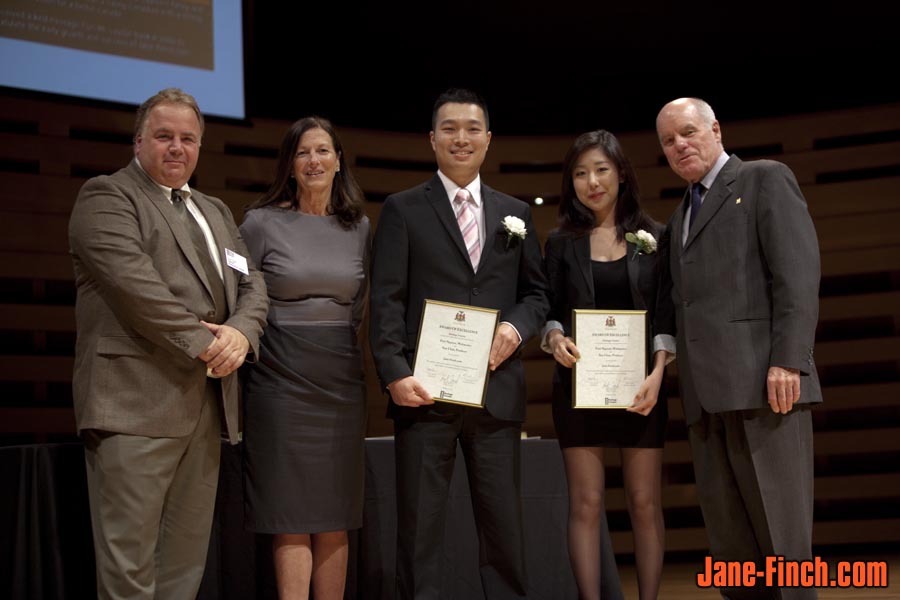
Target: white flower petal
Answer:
pixel 514 226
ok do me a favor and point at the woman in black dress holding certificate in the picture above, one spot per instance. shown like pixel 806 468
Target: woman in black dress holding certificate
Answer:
pixel 604 256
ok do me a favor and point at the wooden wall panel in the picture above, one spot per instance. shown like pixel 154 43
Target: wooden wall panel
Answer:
pixel 848 164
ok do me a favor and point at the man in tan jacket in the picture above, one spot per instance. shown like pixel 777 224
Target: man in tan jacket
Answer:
pixel 168 308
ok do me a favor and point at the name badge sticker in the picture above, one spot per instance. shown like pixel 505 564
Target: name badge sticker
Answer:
pixel 236 261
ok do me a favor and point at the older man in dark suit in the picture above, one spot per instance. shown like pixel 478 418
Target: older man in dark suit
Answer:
pixel 167 308
pixel 443 240
pixel 744 264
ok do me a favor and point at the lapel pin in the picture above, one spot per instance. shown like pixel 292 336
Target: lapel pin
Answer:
pixel 738 201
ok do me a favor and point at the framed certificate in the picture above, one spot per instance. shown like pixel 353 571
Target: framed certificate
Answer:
pixel 613 363
pixel 452 351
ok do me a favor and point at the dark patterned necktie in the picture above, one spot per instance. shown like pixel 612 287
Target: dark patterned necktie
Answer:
pixel 199 240
pixel 696 190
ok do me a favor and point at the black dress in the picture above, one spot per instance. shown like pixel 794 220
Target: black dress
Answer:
pixel 608 428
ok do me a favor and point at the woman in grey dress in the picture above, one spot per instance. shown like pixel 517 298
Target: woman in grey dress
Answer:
pixel 304 400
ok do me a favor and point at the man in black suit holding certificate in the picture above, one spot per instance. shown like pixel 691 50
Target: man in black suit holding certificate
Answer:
pixel 446 240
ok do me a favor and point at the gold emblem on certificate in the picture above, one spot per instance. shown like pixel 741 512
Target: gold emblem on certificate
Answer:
pixel 452 351
pixel 613 363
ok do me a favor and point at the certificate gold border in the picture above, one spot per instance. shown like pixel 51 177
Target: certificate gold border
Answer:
pixel 487 369
pixel 594 311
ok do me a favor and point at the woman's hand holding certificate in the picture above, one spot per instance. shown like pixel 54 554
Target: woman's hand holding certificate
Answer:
pixel 564 349
pixel 613 364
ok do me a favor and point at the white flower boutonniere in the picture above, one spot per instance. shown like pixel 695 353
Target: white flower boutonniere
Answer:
pixel 515 229
pixel 644 242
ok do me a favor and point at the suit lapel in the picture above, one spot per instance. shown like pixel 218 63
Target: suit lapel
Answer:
pixel 633 268
pixel 715 198
pixel 437 197
pixel 677 232
pixel 581 246
pixel 156 197
pixel 220 234
pixel 491 224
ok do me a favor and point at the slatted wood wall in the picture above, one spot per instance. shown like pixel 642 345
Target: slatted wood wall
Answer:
pixel 847 162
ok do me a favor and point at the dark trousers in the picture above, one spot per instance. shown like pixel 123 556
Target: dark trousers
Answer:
pixel 425 453
pixel 754 471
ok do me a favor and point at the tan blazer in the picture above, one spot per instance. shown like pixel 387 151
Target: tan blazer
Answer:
pixel 141 293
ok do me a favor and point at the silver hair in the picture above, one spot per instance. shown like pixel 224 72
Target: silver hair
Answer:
pixel 704 110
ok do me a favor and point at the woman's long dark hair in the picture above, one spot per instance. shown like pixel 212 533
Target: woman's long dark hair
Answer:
pixel 576 218
pixel 346 196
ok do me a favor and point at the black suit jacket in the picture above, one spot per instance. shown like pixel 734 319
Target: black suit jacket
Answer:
pixel 745 289
pixel 567 264
pixel 418 253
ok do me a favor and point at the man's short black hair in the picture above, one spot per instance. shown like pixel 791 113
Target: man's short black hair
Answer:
pixel 460 96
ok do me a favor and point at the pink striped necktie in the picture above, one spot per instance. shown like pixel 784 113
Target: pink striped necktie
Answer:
pixel 465 218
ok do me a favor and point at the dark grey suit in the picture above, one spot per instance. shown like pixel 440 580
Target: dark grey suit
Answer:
pixel 745 289
pixel 419 253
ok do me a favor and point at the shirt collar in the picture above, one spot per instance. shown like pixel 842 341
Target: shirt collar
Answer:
pixel 473 187
pixel 710 177
pixel 166 189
